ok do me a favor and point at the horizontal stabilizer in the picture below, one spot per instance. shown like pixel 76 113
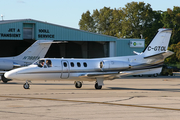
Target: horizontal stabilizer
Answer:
pixel 164 54
pixel 49 42
pixel 157 58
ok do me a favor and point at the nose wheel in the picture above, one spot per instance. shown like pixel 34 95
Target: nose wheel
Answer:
pixel 26 85
pixel 78 84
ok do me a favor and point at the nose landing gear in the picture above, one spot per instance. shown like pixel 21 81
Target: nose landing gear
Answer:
pixel 26 85
pixel 78 84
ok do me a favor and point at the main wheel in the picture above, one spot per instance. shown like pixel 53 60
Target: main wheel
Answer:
pixel 78 84
pixel 26 85
pixel 98 86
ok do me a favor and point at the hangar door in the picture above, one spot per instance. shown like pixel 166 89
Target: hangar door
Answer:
pixel 78 49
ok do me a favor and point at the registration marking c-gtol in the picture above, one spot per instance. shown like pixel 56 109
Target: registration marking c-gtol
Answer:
pixel 157 48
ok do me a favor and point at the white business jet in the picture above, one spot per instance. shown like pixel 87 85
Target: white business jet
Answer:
pixel 98 69
pixel 37 50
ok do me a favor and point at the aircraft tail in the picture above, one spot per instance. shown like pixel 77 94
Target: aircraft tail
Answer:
pixel 159 44
pixel 37 50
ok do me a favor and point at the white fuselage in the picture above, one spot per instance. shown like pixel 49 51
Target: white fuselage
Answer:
pixel 72 69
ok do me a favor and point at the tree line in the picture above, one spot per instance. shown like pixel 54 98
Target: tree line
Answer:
pixel 135 20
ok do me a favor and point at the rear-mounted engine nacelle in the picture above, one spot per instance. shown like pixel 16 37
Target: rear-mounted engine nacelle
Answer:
pixel 106 65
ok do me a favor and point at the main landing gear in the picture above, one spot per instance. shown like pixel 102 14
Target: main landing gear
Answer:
pixel 98 84
pixel 5 80
pixel 26 85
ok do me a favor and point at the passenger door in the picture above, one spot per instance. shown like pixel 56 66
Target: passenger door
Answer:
pixel 65 69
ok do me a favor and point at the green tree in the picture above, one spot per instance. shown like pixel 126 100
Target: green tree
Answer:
pixel 87 22
pixel 139 18
pixel 105 21
pixel 171 19
pixel 152 29
pixel 175 58
pixel 130 22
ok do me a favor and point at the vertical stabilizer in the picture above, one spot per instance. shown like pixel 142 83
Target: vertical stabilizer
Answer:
pixel 35 51
pixel 159 44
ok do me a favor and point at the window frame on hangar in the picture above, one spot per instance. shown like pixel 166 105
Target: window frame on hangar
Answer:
pixel 18 35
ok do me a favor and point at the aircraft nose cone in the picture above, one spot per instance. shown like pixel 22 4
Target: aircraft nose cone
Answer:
pixel 10 74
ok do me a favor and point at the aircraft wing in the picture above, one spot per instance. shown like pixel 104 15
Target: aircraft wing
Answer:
pixel 95 75
pixel 111 75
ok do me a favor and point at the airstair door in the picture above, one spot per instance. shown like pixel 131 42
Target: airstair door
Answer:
pixel 65 69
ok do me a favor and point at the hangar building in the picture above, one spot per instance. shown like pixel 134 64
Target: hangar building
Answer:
pixel 18 35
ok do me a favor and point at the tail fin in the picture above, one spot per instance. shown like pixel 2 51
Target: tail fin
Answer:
pixel 159 44
pixel 35 51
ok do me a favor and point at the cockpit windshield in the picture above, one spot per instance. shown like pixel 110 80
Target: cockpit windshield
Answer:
pixel 43 63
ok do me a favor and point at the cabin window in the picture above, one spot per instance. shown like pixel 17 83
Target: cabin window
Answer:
pixel 78 64
pixel 85 64
pixel 41 63
pixel 48 63
pixel 72 64
pixel 101 64
pixel 65 64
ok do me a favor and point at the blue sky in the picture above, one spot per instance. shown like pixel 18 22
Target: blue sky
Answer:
pixel 67 12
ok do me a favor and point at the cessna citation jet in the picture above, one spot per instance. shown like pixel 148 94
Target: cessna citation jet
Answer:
pixel 34 52
pixel 98 69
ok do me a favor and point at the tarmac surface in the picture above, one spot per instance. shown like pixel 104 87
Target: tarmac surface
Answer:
pixel 131 98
